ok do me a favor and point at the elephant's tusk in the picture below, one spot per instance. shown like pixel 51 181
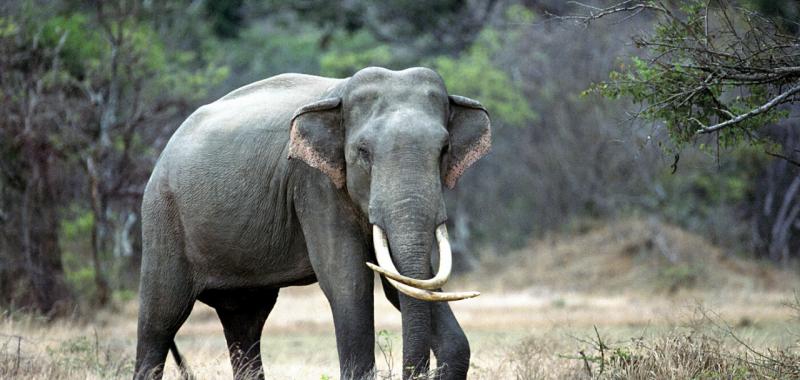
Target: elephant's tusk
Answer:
pixel 413 287
pixel 427 295
pixel 386 266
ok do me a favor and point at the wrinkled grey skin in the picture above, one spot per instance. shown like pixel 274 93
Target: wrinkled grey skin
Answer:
pixel 229 220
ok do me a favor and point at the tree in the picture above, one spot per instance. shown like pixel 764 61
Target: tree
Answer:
pixel 710 68
pixel 30 178
pixel 720 74
pixel 88 92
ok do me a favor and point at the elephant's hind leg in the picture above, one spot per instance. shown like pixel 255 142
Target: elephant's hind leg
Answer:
pixel 161 314
pixel 164 306
pixel 167 290
pixel 243 314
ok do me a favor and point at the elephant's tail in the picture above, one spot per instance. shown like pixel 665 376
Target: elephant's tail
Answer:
pixel 179 361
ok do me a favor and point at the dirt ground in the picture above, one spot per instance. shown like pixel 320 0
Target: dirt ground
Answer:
pixel 540 318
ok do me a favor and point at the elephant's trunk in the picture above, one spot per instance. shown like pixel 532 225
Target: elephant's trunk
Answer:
pixel 410 237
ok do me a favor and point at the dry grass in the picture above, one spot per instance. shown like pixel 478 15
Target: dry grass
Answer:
pixel 665 334
pixel 674 354
pixel 644 255
pixel 34 349
pixel 537 323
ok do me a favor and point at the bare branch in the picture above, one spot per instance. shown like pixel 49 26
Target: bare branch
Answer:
pixel 754 112
pixel 783 157
pixel 596 13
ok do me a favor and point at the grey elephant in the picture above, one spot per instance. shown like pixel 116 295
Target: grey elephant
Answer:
pixel 297 179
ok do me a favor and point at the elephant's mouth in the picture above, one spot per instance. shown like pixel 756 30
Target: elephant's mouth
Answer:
pixel 416 288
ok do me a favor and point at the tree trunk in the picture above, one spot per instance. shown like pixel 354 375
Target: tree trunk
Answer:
pixel 40 248
pixel 100 233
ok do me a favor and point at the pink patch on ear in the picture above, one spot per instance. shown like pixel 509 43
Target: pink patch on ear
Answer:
pixel 474 153
pixel 300 148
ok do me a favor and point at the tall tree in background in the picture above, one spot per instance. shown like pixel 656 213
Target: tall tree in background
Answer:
pixel 90 87
pixel 32 269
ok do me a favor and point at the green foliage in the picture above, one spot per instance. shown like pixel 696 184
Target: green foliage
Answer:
pixel 519 14
pixel 170 71
pixel 192 85
pixel 85 54
pixel 352 52
pixel 680 88
pixel 474 74
pixel 8 27
pixel 559 303
pixel 293 48
pixel 83 48
pixel 80 225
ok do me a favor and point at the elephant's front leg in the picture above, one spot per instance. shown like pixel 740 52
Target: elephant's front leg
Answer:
pixel 354 323
pixel 449 343
pixel 338 255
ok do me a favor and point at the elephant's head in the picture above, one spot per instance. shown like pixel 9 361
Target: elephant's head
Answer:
pixel 391 140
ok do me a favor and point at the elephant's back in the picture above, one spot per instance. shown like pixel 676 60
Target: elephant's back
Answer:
pixel 298 84
pixel 264 105
pixel 247 123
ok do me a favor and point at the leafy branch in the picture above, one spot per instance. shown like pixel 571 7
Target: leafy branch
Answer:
pixel 709 66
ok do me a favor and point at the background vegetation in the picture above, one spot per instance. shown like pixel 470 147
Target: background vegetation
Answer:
pixel 92 90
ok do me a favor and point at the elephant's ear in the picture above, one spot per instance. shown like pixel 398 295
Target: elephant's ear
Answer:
pixel 317 138
pixel 470 136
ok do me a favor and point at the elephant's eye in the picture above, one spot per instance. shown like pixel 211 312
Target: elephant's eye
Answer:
pixel 445 149
pixel 363 154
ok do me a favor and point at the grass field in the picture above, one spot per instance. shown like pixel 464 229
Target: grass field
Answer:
pixel 512 334
pixel 571 326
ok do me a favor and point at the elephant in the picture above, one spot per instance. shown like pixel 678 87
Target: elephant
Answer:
pixel 298 179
